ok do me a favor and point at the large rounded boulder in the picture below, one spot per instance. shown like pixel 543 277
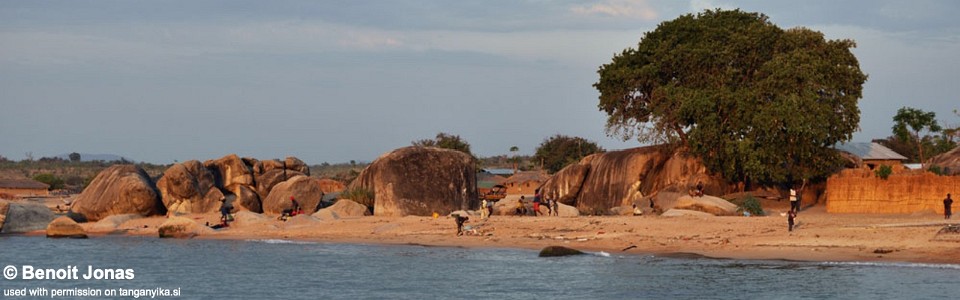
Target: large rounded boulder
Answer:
pixel 243 197
pixel 4 206
pixel 565 185
pixel 420 181
pixel 181 228
pixel 708 204
pixel 343 208
pixel 329 186
pixel 119 189
pixel 304 189
pixel 20 217
pixel 230 171
pixel 290 163
pixel 269 179
pixel 184 188
pixel 949 162
pixel 65 227
pixel 621 178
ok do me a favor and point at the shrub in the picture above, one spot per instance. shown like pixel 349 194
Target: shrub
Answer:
pixel 752 205
pixel 360 195
pixel 53 181
pixel 936 170
pixel 883 171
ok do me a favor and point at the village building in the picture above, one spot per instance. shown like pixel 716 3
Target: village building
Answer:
pixel 864 190
pixel 23 188
pixel 525 182
pixel 872 155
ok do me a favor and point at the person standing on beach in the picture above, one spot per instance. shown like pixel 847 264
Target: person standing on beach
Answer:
pixel 483 210
pixel 556 207
pixel 225 209
pixel 790 218
pixel 947 210
pixel 536 203
pixel 794 201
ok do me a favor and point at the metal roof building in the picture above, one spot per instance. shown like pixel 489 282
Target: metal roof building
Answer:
pixel 870 151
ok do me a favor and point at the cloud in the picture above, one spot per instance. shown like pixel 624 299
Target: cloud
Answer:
pixel 639 9
pixel 369 42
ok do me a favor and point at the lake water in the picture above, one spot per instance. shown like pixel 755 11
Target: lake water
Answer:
pixel 280 269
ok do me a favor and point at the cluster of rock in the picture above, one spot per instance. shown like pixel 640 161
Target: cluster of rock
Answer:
pixel 603 181
pixel 407 181
pixel 247 184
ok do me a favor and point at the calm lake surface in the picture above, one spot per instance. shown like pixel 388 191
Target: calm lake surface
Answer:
pixel 280 269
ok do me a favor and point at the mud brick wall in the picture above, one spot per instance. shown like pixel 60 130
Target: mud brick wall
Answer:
pixel 861 191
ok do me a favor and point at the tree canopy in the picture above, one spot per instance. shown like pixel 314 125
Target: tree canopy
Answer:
pixel 909 124
pixel 754 101
pixel 559 151
pixel 447 141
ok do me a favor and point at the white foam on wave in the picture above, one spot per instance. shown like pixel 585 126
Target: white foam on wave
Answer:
pixel 893 264
pixel 279 241
pixel 601 253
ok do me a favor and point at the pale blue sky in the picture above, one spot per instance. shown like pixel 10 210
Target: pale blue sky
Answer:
pixel 333 81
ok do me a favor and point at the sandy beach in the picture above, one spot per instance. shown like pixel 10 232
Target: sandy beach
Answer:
pixel 819 236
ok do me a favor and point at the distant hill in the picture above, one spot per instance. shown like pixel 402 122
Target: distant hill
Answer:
pixel 93 157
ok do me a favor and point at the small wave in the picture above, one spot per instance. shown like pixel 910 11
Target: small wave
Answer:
pixel 601 253
pixel 892 264
pixel 279 241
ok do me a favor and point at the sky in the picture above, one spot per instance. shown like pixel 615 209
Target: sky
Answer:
pixel 335 81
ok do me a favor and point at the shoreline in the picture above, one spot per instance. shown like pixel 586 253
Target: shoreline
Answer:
pixel 819 236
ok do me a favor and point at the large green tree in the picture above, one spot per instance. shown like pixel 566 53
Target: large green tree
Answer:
pixel 447 141
pixel 559 151
pixel 754 101
pixel 909 125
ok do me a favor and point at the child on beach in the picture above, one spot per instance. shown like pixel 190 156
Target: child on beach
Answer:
pixel 790 218
pixel 521 210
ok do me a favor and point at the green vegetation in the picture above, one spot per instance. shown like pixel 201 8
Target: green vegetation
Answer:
pixel 343 172
pixel 70 175
pixel 360 195
pixel 756 102
pixel 937 170
pixel 54 182
pixel 559 151
pixel 446 141
pixel 883 172
pixel 909 127
pixel 752 206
